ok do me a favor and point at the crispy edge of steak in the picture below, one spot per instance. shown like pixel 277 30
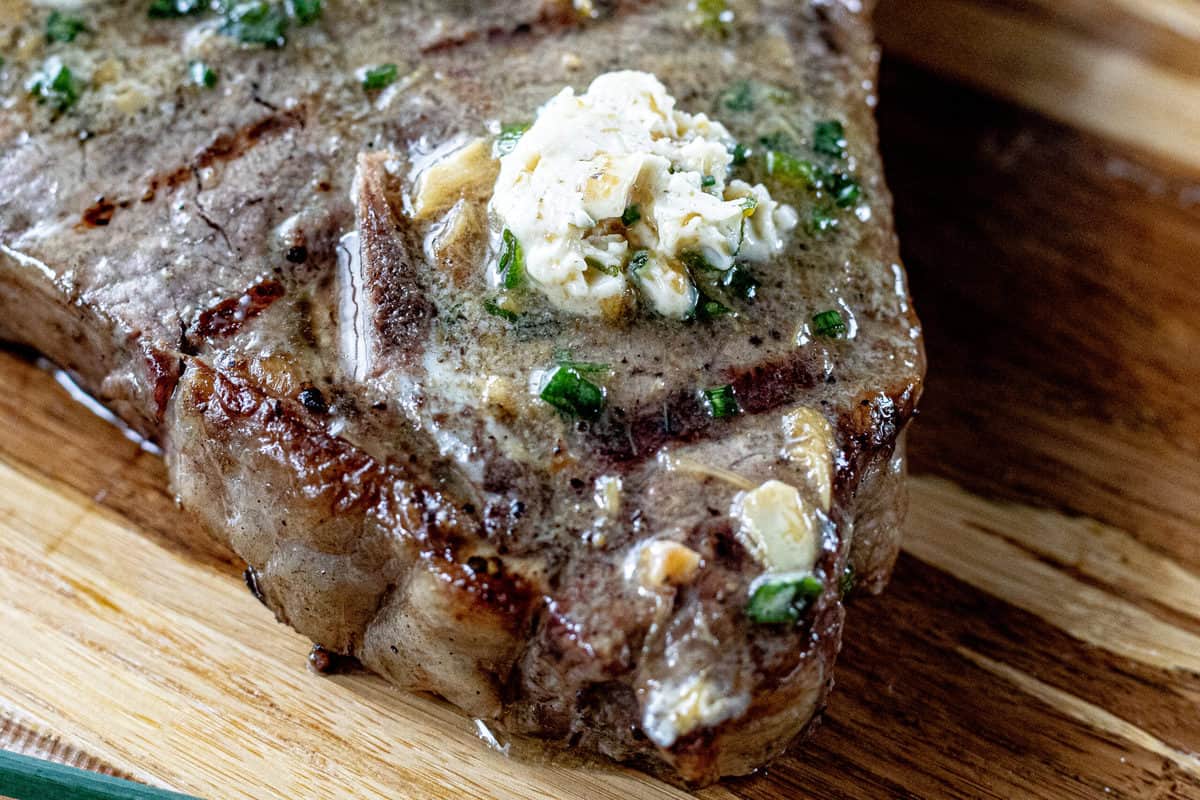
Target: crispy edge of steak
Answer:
pixel 351 533
pixel 325 525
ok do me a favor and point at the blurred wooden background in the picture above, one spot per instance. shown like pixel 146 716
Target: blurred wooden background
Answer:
pixel 1041 637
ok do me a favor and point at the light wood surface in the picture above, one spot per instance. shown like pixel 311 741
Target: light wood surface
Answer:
pixel 1041 637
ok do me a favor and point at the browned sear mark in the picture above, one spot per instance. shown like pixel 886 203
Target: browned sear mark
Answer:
pixel 228 316
pixel 98 214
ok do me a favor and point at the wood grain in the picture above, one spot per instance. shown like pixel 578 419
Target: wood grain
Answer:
pixel 1041 637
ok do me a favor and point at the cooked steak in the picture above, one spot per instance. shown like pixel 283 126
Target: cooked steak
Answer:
pixel 622 526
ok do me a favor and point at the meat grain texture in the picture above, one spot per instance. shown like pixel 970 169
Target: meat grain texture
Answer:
pixel 348 418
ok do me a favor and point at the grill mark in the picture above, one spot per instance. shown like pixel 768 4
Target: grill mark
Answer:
pixel 228 316
pixel 351 481
pixel 99 214
pixel 627 438
pixel 226 147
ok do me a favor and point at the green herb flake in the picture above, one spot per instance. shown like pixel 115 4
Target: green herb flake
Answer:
pixel 305 12
pixel 829 323
pixel 600 266
pixel 570 392
pixel 846 584
pixel 713 16
pixel 738 282
pixel 708 181
pixel 829 138
pixel 721 402
pixel 510 134
pixel 63 27
pixel 166 9
pixel 782 600
pixel 55 84
pixel 791 170
pixel 843 188
pixel 740 154
pixel 707 308
pixel 821 220
pixel 257 22
pixel 739 97
pixel 631 216
pixel 512 261
pixel 496 310
pixel 202 74
pixel 379 77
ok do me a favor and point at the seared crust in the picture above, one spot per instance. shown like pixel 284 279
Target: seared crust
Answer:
pixel 343 415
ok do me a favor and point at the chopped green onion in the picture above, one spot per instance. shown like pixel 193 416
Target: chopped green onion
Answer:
pixel 740 153
pixel 304 11
pixel 721 402
pixel 510 134
pixel 708 181
pixel 843 188
pixel 829 323
pixel 163 9
pixel 63 28
pixel 792 170
pixel 740 283
pixel 846 584
pixel 55 84
pixel 512 261
pixel 707 309
pixel 497 310
pixel 570 392
pixel 782 600
pixel 379 77
pixel 821 220
pixel 256 22
pixel 720 285
pixel 749 204
pixel 563 359
pixel 829 138
pixel 202 74
pixel 632 216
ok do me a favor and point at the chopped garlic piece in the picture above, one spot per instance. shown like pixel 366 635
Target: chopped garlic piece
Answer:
pixel 664 563
pixel 666 286
pixel 567 183
pixel 808 446
pixel 676 709
pixel 466 173
pixel 608 494
pixel 778 527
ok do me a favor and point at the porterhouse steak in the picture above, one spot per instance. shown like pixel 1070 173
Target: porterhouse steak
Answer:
pixel 238 272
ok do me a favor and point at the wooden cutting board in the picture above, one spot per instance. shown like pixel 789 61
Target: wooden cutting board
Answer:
pixel 1041 637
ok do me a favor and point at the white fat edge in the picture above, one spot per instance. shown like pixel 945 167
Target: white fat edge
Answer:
pixel 676 708
pixel 64 379
pixel 351 308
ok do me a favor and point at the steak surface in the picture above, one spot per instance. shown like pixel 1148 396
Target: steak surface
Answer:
pixel 238 272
